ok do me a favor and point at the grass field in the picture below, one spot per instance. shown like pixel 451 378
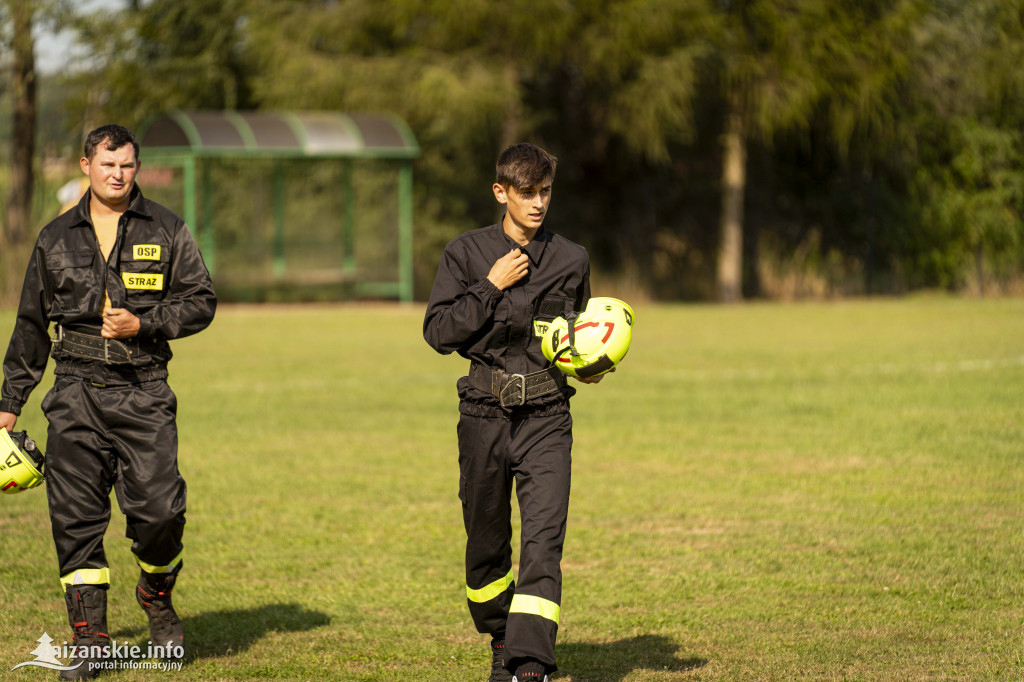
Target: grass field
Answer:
pixel 827 491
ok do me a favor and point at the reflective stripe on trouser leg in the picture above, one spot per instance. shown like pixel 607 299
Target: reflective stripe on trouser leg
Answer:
pixel 485 489
pixel 541 451
pixel 538 606
pixel 168 568
pixel 86 576
pixel 489 592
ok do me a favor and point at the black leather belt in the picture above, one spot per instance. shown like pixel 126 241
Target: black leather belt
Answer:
pixel 513 390
pixel 110 351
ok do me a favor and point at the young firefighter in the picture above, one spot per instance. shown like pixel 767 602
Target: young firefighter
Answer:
pixel 119 276
pixel 495 288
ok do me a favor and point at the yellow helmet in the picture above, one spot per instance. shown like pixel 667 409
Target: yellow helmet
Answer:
pixel 596 341
pixel 21 462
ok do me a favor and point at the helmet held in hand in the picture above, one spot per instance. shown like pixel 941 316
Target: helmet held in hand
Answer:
pixel 21 462
pixel 592 342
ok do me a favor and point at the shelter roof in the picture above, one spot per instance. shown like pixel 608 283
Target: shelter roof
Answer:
pixel 290 134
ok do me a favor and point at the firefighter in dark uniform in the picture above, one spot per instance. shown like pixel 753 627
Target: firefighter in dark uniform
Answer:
pixel 117 276
pixel 496 287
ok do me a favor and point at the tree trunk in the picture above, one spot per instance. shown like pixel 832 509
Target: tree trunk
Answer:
pixel 23 88
pixel 729 277
pixel 979 264
pixel 512 123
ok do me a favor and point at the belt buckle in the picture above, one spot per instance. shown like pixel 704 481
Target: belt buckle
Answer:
pixel 522 390
pixel 117 346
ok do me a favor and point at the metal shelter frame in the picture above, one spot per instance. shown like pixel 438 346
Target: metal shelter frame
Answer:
pixel 184 139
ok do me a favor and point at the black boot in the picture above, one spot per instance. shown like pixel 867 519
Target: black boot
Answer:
pixel 165 629
pixel 498 671
pixel 87 614
pixel 530 671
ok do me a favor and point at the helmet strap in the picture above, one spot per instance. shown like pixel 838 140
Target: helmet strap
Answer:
pixel 571 319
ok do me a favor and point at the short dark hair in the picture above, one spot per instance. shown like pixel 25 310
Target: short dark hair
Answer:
pixel 524 166
pixel 115 137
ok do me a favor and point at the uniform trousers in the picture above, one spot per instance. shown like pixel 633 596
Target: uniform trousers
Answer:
pixel 535 452
pixel 123 437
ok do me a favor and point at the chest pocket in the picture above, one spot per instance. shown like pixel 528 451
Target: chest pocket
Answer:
pixel 74 282
pixel 547 309
pixel 145 268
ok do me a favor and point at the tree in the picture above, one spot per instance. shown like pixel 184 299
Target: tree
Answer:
pixel 774 63
pixel 881 130
pixel 163 55
pixel 23 87
pixel 458 72
pixel 45 652
pixel 970 184
pixel 754 56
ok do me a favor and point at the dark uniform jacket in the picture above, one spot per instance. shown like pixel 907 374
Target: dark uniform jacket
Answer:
pixel 155 271
pixel 467 314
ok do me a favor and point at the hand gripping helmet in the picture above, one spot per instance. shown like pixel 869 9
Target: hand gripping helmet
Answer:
pixel 595 342
pixel 21 462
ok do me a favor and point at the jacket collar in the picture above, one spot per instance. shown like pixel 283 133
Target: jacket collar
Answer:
pixel 136 205
pixel 535 249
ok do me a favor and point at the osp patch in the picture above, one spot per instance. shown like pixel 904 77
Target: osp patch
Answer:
pixel 145 252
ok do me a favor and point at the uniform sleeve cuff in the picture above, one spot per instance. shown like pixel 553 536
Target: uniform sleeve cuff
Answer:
pixel 488 290
pixel 145 328
pixel 12 406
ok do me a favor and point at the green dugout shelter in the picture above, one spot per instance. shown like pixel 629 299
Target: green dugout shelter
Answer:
pixel 194 140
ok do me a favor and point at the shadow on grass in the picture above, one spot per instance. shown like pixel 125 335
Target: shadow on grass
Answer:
pixel 222 633
pixel 615 660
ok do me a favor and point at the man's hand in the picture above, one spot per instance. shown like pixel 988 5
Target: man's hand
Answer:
pixel 118 323
pixel 8 420
pixel 508 269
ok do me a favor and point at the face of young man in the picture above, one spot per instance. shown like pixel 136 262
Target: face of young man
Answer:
pixel 112 174
pixel 525 209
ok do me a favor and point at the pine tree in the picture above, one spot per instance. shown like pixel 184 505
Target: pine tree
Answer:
pixel 46 652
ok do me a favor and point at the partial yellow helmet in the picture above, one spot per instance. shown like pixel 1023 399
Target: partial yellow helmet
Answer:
pixel 595 343
pixel 21 462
